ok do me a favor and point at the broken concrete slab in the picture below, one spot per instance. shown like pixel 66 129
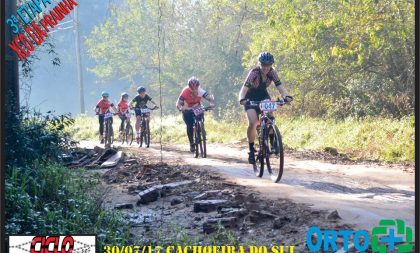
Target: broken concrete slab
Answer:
pixel 149 195
pixel 257 216
pixel 334 215
pixel 176 184
pixel 131 161
pixel 207 194
pixel 233 212
pixel 207 206
pixel 124 206
pixel 280 222
pixel 113 160
pixel 153 193
pixel 176 201
pixel 211 225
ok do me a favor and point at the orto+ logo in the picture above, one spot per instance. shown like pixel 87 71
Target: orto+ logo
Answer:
pixel 390 232
pixel 388 236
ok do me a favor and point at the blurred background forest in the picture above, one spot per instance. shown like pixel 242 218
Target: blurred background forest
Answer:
pixel 348 64
pixel 337 58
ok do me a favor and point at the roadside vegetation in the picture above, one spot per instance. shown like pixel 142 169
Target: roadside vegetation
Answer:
pixel 349 66
pixel 43 196
pixel 370 138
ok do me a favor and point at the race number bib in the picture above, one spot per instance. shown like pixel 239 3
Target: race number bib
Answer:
pixel 107 115
pixel 198 111
pixel 268 106
pixel 145 110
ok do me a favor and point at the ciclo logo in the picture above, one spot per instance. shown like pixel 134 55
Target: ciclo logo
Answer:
pixel 67 244
pixel 52 244
pixel 389 235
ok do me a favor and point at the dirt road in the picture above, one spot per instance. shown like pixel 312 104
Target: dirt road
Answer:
pixel 362 194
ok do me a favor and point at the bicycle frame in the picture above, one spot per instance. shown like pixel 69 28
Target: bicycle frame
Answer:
pixel 126 126
pixel 265 120
pixel 199 133
pixel 199 118
pixel 144 125
pixel 108 132
pixel 270 142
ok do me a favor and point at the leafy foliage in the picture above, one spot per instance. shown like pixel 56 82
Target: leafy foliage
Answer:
pixel 339 58
pixel 343 58
pixel 32 137
pixel 53 200
pixel 42 196
pixel 374 138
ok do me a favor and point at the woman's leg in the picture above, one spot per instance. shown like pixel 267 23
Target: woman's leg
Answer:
pixel 122 123
pixel 252 132
pixel 252 124
pixel 188 118
pixel 138 121
pixel 101 124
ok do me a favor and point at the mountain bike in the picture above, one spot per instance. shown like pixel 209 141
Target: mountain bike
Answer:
pixel 127 133
pixel 269 149
pixel 108 130
pixel 199 131
pixel 145 128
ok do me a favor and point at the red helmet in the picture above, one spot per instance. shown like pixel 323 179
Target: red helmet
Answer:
pixel 193 82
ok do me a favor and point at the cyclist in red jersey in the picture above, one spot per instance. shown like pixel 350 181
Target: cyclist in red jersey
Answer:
pixel 255 89
pixel 189 98
pixel 124 113
pixel 101 108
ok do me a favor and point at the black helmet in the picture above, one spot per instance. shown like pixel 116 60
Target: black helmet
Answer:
pixel 141 89
pixel 266 58
pixel 193 82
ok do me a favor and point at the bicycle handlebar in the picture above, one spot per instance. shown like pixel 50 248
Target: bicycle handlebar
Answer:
pixel 279 102
pixel 206 108
pixel 153 108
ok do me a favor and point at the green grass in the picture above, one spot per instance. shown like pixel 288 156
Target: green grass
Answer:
pixel 51 199
pixel 383 139
pixel 372 138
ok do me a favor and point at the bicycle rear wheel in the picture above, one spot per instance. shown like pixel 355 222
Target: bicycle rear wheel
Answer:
pixel 129 134
pixel 122 136
pixel 197 139
pixel 275 157
pixel 143 126
pixel 108 130
pixel 260 157
pixel 203 147
pixel 111 136
pixel 147 135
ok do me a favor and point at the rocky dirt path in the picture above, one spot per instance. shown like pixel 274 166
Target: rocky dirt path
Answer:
pixel 361 193
pixel 222 189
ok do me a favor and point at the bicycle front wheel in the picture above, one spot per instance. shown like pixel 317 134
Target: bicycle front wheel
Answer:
pixel 147 135
pixel 108 131
pixel 260 155
pixel 197 139
pixel 275 157
pixel 142 132
pixel 129 134
pixel 203 147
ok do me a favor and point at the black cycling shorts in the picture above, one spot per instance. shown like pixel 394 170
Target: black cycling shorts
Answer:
pixel 255 107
